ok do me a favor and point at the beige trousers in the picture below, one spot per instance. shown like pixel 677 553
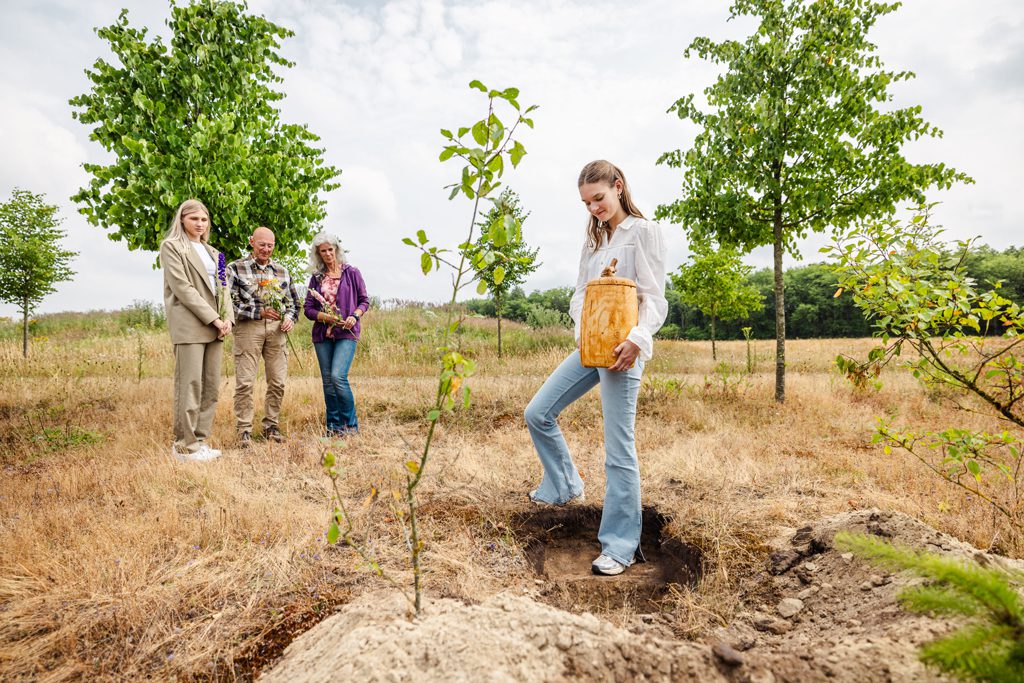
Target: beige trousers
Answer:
pixel 196 385
pixel 255 339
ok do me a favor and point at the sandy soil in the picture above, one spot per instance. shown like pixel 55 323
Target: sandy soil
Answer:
pixel 821 615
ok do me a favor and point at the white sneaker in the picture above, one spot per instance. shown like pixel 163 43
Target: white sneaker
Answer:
pixel 607 566
pixel 204 454
pixel 532 495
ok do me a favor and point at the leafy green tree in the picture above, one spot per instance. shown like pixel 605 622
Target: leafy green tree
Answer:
pixel 989 643
pixel 916 291
pixel 195 118
pixel 800 136
pixel 714 281
pixel 501 269
pixel 31 259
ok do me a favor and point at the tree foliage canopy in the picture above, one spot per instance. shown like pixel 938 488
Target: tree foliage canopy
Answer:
pixel 715 281
pixel 508 264
pixel 196 119
pixel 797 125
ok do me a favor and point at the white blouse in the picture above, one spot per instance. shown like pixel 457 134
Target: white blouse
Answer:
pixel 640 248
pixel 211 267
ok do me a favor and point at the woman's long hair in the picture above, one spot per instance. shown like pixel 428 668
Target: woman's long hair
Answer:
pixel 316 264
pixel 176 231
pixel 602 171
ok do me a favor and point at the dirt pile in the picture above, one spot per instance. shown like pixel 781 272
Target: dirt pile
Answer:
pixel 821 615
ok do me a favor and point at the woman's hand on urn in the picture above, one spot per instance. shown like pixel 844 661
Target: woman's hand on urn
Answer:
pixel 626 354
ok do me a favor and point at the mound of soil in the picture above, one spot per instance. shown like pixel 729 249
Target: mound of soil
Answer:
pixel 823 616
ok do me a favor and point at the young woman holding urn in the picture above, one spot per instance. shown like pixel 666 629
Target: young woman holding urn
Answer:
pixel 615 230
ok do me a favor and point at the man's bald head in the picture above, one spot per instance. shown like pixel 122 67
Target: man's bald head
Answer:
pixel 262 243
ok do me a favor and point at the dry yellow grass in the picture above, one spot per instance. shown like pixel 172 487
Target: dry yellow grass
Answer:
pixel 120 563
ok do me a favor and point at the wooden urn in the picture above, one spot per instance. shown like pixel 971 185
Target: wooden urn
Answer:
pixel 610 311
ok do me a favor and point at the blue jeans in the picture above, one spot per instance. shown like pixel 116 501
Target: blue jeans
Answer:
pixel 335 359
pixel 621 517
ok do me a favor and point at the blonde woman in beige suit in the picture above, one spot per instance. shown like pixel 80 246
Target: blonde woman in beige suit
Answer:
pixel 199 316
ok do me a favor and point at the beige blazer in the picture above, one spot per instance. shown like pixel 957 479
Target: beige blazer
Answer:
pixel 190 304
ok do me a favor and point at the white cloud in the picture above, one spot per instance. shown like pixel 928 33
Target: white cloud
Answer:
pixel 377 80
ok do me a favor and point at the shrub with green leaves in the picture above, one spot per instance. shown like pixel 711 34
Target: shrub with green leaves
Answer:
pixel 935 319
pixel 990 646
pixel 482 147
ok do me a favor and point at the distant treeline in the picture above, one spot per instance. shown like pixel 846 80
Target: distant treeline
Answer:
pixel 812 309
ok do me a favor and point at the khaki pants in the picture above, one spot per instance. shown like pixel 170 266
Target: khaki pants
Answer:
pixel 196 385
pixel 255 339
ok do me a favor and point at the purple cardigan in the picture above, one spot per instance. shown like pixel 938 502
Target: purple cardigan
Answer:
pixel 351 295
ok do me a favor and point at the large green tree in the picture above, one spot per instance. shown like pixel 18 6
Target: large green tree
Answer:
pixel 503 268
pixel 800 135
pixel 196 118
pixel 715 282
pixel 32 261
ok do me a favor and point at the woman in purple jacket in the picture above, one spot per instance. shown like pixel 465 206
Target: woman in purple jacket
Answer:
pixel 335 300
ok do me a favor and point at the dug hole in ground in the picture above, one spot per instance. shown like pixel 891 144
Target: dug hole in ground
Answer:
pixel 823 615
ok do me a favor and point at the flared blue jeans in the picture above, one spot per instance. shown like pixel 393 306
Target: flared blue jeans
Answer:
pixel 621 517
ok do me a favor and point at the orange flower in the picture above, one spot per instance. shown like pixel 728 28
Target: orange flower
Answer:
pixel 264 283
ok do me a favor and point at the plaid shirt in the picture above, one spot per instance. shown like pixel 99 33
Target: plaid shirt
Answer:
pixel 243 278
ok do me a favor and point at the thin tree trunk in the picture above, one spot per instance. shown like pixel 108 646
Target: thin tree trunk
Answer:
pixel 24 328
pixel 714 354
pixel 780 307
pixel 498 300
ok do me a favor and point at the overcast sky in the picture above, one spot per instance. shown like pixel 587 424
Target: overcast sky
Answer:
pixel 377 80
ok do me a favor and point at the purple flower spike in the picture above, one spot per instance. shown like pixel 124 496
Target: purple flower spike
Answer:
pixel 222 273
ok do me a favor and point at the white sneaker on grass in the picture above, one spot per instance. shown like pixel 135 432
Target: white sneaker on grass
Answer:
pixel 607 566
pixel 204 454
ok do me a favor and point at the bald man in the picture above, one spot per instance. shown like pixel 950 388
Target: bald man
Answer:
pixel 266 308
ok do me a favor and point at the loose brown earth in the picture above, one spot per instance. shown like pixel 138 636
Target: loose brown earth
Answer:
pixel 822 616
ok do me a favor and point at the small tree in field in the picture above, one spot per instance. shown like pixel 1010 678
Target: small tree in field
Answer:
pixel 31 260
pixel 800 137
pixel 715 282
pixel 482 149
pixel 196 119
pixel 916 291
pixel 502 269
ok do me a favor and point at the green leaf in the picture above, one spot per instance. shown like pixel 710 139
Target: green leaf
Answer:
pixel 974 468
pixel 408 240
pixel 516 154
pixel 498 275
pixel 333 532
pixel 478 85
pixel 421 235
pixel 425 263
pixel 481 287
pixel 412 466
pixel 433 415
pixel 480 133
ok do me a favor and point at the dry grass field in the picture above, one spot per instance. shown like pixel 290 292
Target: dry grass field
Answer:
pixel 118 562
